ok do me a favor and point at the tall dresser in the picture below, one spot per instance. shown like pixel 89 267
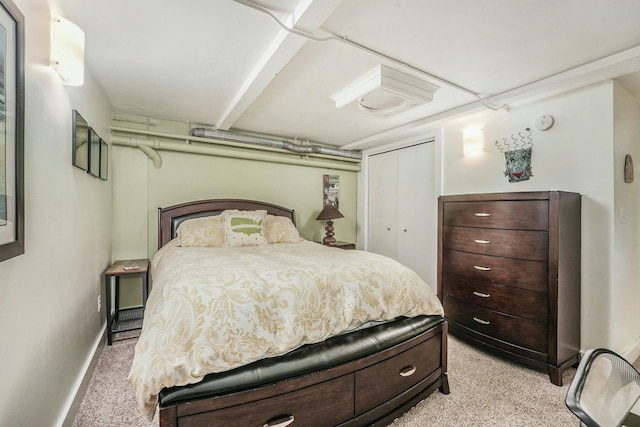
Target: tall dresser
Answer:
pixel 509 274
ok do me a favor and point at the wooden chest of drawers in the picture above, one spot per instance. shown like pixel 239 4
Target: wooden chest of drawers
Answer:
pixel 509 274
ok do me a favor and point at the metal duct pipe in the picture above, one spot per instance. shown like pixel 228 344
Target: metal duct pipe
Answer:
pixel 274 143
pixel 151 145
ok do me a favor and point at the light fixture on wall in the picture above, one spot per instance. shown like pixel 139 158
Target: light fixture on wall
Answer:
pixel 473 141
pixel 328 213
pixel 67 51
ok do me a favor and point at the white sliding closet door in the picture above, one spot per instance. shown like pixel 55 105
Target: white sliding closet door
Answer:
pixel 402 208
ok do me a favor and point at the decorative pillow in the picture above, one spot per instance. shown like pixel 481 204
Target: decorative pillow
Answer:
pixel 244 228
pixel 206 231
pixel 280 229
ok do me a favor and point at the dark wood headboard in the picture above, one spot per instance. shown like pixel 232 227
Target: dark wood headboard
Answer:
pixel 169 218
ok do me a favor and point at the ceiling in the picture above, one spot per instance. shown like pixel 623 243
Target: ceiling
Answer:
pixel 231 66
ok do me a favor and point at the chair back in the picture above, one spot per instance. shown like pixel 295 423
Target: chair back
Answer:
pixel 604 389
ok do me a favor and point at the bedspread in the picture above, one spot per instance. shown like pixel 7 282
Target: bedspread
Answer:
pixel 214 309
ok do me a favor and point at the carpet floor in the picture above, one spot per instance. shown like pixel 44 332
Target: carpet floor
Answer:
pixel 485 391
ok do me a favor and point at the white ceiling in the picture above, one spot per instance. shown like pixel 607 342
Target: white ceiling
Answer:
pixel 225 64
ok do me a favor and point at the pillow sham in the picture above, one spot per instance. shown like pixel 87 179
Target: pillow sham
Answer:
pixel 206 231
pixel 280 229
pixel 244 228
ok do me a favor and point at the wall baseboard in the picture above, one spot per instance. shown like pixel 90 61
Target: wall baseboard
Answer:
pixel 75 399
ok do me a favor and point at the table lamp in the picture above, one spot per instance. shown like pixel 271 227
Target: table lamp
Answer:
pixel 328 213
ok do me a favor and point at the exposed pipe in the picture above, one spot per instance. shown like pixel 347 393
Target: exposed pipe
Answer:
pixel 151 154
pixel 275 143
pixel 151 145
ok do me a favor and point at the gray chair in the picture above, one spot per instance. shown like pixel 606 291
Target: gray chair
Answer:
pixel 604 390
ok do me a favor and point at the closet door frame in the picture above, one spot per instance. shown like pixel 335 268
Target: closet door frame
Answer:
pixel 433 136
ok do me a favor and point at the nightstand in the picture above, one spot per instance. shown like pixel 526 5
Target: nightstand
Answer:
pixel 345 245
pixel 130 318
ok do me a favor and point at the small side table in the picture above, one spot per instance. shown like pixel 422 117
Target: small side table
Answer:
pixel 127 319
pixel 345 245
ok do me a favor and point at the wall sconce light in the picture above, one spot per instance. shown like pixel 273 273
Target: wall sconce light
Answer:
pixel 67 51
pixel 473 141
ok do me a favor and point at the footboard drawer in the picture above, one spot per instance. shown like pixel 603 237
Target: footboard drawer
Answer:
pixel 325 404
pixel 382 381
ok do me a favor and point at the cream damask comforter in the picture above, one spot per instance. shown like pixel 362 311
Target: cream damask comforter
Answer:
pixel 214 309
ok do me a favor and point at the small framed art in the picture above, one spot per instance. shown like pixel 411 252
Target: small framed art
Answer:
pixel 94 153
pixel 104 160
pixel 80 142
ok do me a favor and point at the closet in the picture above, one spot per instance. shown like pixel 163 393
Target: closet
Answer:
pixel 402 208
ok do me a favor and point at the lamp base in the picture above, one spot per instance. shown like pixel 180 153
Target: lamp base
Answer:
pixel 329 240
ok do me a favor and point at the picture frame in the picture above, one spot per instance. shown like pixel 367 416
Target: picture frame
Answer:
pixel 94 153
pixel 12 81
pixel 331 190
pixel 104 160
pixel 80 142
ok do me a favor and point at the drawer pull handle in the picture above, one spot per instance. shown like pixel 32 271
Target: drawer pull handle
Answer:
pixel 481 268
pixel 482 242
pixel 482 322
pixel 281 421
pixel 408 371
pixel 481 295
pixel 482 214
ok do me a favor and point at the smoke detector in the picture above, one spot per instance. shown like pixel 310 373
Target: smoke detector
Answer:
pixel 383 92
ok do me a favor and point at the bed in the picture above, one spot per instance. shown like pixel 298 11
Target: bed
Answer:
pixel 281 332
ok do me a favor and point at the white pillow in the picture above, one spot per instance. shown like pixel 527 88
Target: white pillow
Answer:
pixel 244 228
pixel 280 229
pixel 206 231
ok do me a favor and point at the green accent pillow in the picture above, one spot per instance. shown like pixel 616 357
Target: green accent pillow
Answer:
pixel 244 228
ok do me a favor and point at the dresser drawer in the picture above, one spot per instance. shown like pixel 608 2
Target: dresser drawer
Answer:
pixel 521 332
pixel 325 404
pixel 519 214
pixel 531 245
pixel 382 381
pixel 506 271
pixel 518 302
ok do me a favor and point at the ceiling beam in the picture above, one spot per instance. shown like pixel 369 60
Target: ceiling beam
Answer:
pixel 307 16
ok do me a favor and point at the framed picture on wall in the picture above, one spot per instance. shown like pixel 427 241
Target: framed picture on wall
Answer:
pixel 80 142
pixel 104 160
pixel 12 131
pixel 331 190
pixel 94 153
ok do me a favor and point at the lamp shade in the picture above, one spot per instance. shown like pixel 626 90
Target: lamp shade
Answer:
pixel 329 212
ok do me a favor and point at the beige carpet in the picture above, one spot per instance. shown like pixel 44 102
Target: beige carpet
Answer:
pixel 485 391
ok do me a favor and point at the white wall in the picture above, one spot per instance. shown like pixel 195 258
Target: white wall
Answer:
pixel 625 294
pixel 49 321
pixel 576 154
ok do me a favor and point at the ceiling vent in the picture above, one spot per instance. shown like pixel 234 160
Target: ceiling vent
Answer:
pixel 384 91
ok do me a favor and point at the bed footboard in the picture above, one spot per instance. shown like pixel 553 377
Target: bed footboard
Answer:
pixel 368 390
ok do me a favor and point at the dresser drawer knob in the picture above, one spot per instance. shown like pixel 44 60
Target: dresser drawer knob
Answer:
pixel 481 268
pixel 482 242
pixel 481 295
pixel 482 322
pixel 408 371
pixel 280 421
pixel 482 214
